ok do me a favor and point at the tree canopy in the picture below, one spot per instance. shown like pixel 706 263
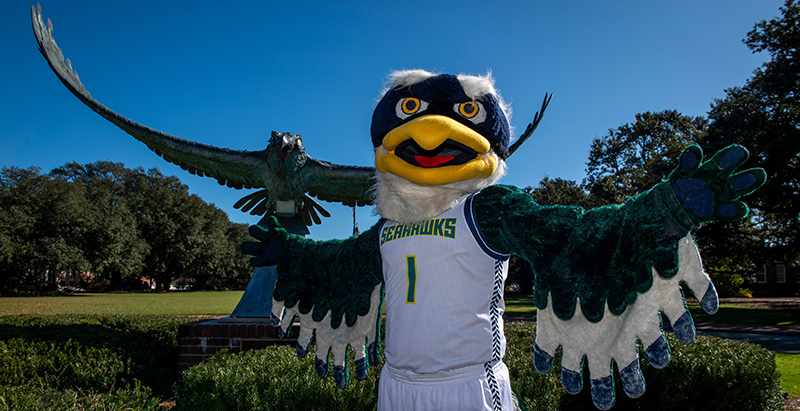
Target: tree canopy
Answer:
pixel 636 156
pixel 764 116
pixel 105 226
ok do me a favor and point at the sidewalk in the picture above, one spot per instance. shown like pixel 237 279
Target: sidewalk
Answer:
pixel 786 330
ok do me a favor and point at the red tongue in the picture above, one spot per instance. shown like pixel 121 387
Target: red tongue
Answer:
pixel 432 161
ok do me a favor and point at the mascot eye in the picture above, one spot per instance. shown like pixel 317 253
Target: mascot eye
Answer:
pixel 409 106
pixel 471 110
pixel 468 109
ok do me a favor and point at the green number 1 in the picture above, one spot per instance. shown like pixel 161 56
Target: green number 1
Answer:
pixel 411 265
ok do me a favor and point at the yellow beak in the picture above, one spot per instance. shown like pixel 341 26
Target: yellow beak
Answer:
pixel 429 133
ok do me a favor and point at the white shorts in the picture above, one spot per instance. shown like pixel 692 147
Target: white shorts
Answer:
pixel 477 387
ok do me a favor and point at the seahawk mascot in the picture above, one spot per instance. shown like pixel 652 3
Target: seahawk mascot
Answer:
pixel 439 256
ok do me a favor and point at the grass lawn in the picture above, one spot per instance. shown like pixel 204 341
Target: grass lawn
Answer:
pixel 520 306
pixel 789 366
pixel 223 303
pixel 174 303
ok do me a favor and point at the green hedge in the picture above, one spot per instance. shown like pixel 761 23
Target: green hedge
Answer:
pixel 709 374
pixel 75 362
pixel 31 397
pixel 271 379
pixel 128 363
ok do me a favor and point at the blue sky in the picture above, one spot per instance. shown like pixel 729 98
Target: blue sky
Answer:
pixel 227 73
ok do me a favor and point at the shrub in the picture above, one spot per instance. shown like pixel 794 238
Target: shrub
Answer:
pixel 62 365
pixel 729 283
pixel 537 391
pixel 709 374
pixel 32 397
pixel 87 362
pixel 271 379
pixel 127 363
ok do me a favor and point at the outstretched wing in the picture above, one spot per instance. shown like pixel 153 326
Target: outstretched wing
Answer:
pixel 334 288
pixel 350 185
pixel 613 338
pixel 234 168
pixel 604 276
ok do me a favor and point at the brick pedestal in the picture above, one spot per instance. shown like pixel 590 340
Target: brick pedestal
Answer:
pixel 200 340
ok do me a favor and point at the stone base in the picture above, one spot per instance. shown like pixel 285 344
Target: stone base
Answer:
pixel 200 340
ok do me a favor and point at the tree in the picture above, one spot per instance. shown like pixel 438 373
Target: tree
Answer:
pixel 636 156
pixel 16 223
pixel 764 116
pixel 161 209
pixel 237 270
pixel 113 247
pixel 46 222
pixel 558 191
pixel 115 223
pixel 209 240
pixel 187 238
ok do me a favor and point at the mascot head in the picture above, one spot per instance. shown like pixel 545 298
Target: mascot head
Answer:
pixel 439 128
pixel 436 138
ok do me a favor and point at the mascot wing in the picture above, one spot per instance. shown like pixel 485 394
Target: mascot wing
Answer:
pixel 605 276
pixel 333 288
pixel 363 335
pixel 612 339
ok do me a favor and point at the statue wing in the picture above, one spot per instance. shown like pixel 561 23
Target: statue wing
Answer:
pixel 350 185
pixel 235 168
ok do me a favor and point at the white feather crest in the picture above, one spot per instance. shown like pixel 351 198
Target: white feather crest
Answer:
pixel 403 78
pixel 474 87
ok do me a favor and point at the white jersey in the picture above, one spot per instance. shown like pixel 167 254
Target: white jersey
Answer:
pixel 444 293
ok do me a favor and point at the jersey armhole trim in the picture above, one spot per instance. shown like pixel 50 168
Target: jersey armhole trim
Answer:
pixel 472 223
